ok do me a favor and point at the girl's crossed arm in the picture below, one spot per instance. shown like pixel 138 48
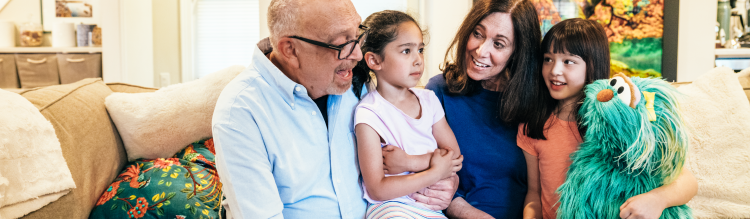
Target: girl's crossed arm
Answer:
pixel 397 161
pixel 382 188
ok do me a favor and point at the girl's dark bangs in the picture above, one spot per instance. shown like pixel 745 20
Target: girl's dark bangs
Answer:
pixel 566 41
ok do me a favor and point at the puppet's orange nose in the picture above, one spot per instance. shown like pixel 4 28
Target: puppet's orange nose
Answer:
pixel 605 95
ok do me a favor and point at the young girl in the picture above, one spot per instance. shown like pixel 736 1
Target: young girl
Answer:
pixel 396 114
pixel 576 53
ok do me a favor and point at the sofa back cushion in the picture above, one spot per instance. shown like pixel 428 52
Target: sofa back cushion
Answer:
pixel 89 141
pixel 743 77
pixel 129 88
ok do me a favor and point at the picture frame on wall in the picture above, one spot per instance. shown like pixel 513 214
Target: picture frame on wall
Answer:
pixel 635 30
pixel 69 11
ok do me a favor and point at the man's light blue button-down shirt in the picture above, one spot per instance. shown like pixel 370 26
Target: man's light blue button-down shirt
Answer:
pixel 274 154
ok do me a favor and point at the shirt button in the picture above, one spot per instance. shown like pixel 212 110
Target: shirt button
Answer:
pixel 313 113
pixel 292 104
pixel 297 89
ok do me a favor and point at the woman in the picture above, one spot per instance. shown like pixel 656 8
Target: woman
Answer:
pixel 494 52
pixel 494 55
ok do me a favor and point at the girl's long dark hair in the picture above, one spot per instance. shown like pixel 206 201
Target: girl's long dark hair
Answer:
pixel 584 38
pixel 383 29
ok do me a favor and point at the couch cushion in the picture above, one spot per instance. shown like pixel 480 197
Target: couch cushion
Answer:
pixel 129 88
pixel 184 186
pixel 157 125
pixel 743 77
pixel 89 142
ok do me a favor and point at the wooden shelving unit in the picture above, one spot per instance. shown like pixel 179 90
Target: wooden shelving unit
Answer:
pixel 51 50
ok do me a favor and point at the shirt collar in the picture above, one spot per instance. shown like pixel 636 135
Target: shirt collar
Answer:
pixel 276 78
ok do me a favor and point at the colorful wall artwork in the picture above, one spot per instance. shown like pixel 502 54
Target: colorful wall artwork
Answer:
pixel 70 11
pixel 634 29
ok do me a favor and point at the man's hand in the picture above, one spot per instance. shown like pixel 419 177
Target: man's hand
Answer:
pixel 439 195
pixel 395 160
pixel 642 206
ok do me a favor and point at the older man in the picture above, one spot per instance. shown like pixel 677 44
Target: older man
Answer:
pixel 283 128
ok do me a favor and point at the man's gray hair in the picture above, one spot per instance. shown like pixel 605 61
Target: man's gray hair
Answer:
pixel 283 19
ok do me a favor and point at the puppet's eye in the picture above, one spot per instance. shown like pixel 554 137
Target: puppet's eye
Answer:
pixel 622 88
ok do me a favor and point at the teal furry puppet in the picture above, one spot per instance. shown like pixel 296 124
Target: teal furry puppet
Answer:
pixel 635 141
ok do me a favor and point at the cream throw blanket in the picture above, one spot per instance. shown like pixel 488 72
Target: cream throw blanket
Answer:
pixel 33 172
pixel 718 111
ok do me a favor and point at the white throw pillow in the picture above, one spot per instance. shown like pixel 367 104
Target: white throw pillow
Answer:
pixel 33 171
pixel 158 124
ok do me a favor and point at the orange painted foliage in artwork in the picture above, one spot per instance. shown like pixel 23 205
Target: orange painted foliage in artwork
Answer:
pixel 621 24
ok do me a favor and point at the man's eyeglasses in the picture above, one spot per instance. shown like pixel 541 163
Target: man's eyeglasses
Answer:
pixel 346 49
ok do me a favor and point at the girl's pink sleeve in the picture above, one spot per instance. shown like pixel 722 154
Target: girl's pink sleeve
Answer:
pixel 435 106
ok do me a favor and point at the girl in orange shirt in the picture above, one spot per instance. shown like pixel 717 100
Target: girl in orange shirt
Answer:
pixel 576 53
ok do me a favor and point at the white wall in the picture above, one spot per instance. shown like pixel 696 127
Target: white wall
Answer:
pixel 695 43
pixel 140 40
pixel 442 18
pixel 166 29
pixel 411 6
pixel 112 58
pixel 264 32
pixel 367 7
pixel 137 42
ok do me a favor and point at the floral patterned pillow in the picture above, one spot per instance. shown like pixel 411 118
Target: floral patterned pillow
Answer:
pixel 184 186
